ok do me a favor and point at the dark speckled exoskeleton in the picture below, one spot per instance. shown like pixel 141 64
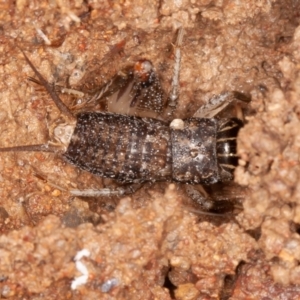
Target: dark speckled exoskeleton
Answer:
pixel 132 149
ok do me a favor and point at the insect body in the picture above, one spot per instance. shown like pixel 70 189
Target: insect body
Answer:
pixel 133 150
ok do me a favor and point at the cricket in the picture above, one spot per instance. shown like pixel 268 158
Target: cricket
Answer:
pixel 136 141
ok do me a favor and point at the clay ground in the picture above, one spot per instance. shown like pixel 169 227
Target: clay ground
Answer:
pixel 148 246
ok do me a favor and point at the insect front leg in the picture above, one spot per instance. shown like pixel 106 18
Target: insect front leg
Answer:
pixel 126 189
pixel 107 192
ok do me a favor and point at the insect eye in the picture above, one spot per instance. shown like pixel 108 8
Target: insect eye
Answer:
pixel 194 153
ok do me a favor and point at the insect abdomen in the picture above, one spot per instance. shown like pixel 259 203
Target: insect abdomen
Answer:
pixel 128 149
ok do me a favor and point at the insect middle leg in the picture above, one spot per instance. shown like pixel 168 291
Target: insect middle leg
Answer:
pixel 205 203
pixel 223 103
